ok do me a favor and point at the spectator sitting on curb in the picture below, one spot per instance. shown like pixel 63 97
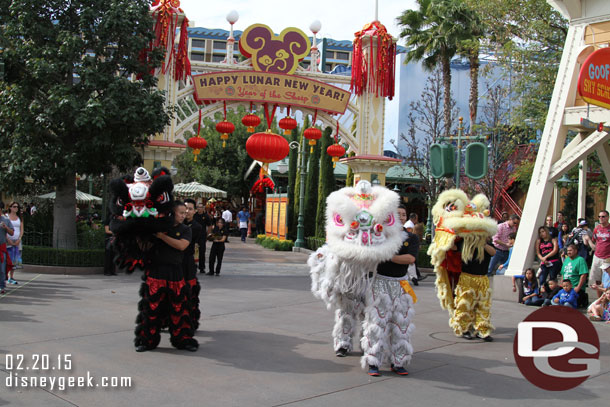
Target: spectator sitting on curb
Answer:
pixel 549 290
pixel 567 296
pixel 599 310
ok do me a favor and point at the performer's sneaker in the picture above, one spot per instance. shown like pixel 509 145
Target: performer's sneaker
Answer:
pixel 422 277
pixel 467 335
pixel 341 352
pixel 373 371
pixel 414 281
pixel 191 348
pixel 399 370
pixel 142 348
pixel 210 274
pixel 487 338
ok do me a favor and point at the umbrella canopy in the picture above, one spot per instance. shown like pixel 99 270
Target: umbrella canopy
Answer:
pixel 195 189
pixel 81 197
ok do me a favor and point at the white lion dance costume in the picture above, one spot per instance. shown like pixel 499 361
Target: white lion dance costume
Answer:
pixel 362 230
pixel 463 292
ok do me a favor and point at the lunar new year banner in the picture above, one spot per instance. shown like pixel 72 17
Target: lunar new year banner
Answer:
pixel 252 86
pixel 594 78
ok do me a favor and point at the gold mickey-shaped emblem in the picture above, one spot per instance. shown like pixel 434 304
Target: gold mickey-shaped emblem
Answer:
pixel 178 234
pixel 406 243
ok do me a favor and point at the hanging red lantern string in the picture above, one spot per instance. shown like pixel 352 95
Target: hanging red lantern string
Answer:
pixel 267 147
pixel 197 143
pixel 336 150
pixel 288 123
pixel 312 133
pixel 225 127
pixel 251 120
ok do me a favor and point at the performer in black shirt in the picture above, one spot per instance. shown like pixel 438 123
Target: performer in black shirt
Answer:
pixel 389 311
pixel 188 264
pixel 473 296
pixel 165 293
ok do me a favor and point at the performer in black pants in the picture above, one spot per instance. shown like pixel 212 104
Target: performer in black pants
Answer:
pixel 218 238
pixel 188 262
pixel 206 223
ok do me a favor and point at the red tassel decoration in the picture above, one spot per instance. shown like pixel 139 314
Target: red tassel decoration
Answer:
pixel 375 75
pixel 183 64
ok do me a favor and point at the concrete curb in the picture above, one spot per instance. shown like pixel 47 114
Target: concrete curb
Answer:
pixel 38 269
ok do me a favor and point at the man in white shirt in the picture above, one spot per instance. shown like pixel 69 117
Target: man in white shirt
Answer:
pixel 227 216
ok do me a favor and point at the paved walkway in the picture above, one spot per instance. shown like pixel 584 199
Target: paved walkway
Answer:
pixel 264 341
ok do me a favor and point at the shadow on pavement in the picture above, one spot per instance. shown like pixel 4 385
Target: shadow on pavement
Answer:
pixel 261 352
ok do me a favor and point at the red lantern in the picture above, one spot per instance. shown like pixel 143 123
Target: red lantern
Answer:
pixel 225 128
pixel 251 121
pixel 288 124
pixel 267 147
pixel 335 151
pixel 197 143
pixel 312 134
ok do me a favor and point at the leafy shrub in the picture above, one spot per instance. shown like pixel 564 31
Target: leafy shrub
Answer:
pixel 48 256
pixel 273 243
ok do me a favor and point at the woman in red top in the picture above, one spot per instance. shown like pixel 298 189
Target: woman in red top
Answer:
pixel 547 251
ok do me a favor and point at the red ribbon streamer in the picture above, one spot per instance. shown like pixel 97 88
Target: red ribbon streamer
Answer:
pixel 225 109
pixel 269 118
pixel 199 124
pixel 337 134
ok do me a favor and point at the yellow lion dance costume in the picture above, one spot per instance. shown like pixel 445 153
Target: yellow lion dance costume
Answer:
pixel 466 296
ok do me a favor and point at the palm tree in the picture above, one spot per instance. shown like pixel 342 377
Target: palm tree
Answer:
pixel 469 48
pixel 433 36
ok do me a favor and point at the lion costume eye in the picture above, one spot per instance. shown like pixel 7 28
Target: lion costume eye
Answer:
pixel 390 220
pixel 451 207
pixel 119 202
pixel 338 220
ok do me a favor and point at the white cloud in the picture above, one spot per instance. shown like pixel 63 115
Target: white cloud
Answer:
pixel 340 20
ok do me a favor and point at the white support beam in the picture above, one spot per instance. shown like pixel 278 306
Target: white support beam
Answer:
pixel 582 188
pixel 549 154
pixel 580 152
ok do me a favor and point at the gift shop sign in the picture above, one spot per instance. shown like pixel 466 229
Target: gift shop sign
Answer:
pixel 594 79
pixel 266 87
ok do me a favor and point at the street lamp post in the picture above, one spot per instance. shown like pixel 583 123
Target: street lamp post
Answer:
pixel 300 242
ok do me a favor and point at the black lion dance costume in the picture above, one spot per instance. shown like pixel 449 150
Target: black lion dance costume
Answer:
pixel 142 207
pixel 362 230
pixel 460 255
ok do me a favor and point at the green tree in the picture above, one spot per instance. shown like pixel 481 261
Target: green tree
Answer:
pixel 528 37
pixel 433 36
pixel 68 104
pixel 311 191
pixel 327 181
pixel 349 177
